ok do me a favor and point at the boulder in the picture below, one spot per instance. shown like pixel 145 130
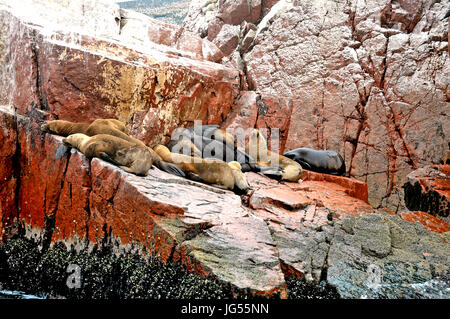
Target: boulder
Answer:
pixel 427 189
pixel 253 243
pixel 358 78
pixel 322 228
pixel 152 88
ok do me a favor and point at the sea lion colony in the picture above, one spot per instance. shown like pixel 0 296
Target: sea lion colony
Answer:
pixel 203 153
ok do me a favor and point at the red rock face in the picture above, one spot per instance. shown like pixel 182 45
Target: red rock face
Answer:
pixel 430 222
pixel 270 114
pixel 251 242
pixel 91 78
pixel 40 175
pixel 354 84
pixel 8 178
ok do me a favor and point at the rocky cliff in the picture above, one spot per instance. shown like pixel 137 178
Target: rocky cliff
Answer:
pixel 369 79
pixel 90 59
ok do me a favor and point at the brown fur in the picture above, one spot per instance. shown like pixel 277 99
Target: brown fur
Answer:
pixel 111 127
pixel 184 146
pixel 257 148
pixel 209 171
pixel 239 178
pixel 100 126
pixel 131 157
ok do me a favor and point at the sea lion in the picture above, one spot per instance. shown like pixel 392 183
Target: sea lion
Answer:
pixel 111 127
pixel 201 142
pixel 212 132
pixel 257 148
pixel 184 146
pixel 211 148
pixel 240 182
pixel 129 156
pixel 322 161
pixel 211 171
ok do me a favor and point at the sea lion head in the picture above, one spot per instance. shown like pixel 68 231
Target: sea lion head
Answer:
pixel 161 150
pixel 52 126
pixel 257 146
pixel 75 140
pixel 292 173
pixel 224 137
pixel 235 165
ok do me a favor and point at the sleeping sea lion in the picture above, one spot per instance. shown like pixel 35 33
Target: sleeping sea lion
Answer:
pixel 322 161
pixel 212 132
pixel 211 171
pixel 129 156
pixel 257 148
pixel 111 127
pixel 208 141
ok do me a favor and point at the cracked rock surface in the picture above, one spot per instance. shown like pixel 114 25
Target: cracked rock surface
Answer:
pixel 322 229
pixel 316 229
pixel 369 79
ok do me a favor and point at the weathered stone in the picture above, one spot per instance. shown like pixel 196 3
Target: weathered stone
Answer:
pixel 414 268
pixel 247 41
pixel 233 11
pixel 428 189
pixel 243 117
pixel 429 221
pixel 354 187
pixel 321 228
pixel 372 231
pixel 43 165
pixel 358 78
pixel 8 177
pixel 151 88
pixel 227 39
pixel 72 214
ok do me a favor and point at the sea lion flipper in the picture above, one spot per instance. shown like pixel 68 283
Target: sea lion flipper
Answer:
pixel 166 166
pixel 169 168
pixel 127 169
pixel 172 169
pixel 305 165
pixel 109 159
pixel 262 169
pixel 194 177
pixel 277 175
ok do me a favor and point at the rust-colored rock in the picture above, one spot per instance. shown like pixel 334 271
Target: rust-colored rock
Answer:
pixel 428 189
pixel 432 223
pixel 358 79
pixel 153 90
pixel 354 187
pixel 42 171
pixel 338 195
pixel 321 228
pixel 243 116
pixel 72 214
